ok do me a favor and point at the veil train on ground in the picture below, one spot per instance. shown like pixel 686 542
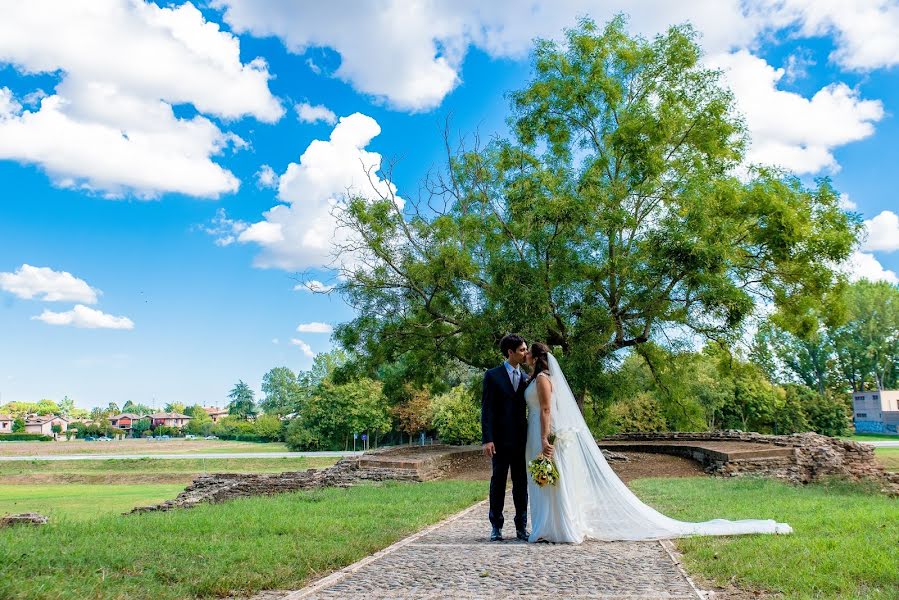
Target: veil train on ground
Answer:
pixel 595 499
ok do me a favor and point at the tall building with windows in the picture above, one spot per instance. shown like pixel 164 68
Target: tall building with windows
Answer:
pixel 876 411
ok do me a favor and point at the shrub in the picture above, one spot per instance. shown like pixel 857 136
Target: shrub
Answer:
pixel 640 413
pixel 24 437
pixel 268 428
pixel 457 418
pixel 300 438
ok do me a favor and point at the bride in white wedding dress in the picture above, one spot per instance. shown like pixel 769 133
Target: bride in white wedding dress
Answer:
pixel 589 501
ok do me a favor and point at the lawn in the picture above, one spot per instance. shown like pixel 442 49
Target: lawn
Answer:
pixel 888 457
pixel 872 437
pixel 80 502
pixel 153 466
pixel 250 544
pixel 844 543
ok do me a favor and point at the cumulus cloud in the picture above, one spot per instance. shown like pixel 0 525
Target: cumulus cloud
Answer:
pixel 43 283
pixel 302 232
pixel 224 229
pixel 303 346
pixel 109 125
pixel 308 113
pixel 410 53
pixel 314 328
pixel 266 177
pixel 847 203
pixel 314 286
pixel 863 265
pixel 84 317
pixel 883 232
pixel 864 30
pixel 787 129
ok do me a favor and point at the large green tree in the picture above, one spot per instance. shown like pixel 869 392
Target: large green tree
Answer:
pixel 612 216
pixel 242 402
pixel 282 392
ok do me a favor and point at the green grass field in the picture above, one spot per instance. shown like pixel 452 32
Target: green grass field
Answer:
pixel 244 545
pixel 888 457
pixel 872 437
pixel 161 465
pixel 81 502
pixel 844 543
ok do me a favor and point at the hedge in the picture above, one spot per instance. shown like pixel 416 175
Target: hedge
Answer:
pixel 25 437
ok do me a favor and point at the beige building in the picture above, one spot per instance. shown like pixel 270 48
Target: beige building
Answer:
pixel 169 419
pixel 44 424
pixel 216 413
pixel 876 411
pixel 6 422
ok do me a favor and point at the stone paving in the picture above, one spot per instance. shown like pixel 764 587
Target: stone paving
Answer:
pixel 454 559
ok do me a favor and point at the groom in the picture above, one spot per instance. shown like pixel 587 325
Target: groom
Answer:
pixel 504 433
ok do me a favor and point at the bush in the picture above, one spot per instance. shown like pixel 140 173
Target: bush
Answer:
pixel 457 418
pixel 24 437
pixel 828 415
pixel 300 438
pixel 268 428
pixel 639 414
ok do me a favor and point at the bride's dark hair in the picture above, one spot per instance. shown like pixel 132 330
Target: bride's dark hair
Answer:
pixel 540 352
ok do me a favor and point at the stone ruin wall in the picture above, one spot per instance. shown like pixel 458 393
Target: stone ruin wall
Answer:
pixel 814 457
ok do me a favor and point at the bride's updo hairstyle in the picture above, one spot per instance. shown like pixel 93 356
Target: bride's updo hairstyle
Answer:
pixel 540 352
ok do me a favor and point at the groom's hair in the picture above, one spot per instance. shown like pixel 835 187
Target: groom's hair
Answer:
pixel 510 342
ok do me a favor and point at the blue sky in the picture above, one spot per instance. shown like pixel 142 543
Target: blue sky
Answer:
pixel 132 136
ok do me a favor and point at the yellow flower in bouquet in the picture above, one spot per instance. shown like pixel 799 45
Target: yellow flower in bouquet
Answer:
pixel 543 470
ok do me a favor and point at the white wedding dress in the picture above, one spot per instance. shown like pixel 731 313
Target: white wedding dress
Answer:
pixel 589 501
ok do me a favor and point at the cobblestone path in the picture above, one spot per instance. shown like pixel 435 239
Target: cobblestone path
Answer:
pixel 455 560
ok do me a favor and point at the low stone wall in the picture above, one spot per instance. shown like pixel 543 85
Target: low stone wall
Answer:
pixel 798 458
pixel 220 487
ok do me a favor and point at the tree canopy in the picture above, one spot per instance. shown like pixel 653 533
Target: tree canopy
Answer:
pixel 619 212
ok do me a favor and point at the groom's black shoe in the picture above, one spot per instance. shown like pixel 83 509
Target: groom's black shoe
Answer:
pixel 496 535
pixel 522 534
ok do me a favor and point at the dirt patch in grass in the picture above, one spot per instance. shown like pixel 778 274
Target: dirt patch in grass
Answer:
pixel 638 465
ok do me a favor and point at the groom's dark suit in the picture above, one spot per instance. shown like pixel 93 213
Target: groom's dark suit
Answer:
pixel 504 422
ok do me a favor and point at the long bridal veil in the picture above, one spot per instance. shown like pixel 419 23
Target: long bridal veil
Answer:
pixel 603 507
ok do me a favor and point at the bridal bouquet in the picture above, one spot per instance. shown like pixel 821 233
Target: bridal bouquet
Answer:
pixel 543 469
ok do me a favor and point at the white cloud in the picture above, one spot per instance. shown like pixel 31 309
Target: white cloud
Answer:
pixel 313 286
pixel 847 203
pixel 863 265
pixel 883 232
pixel 87 318
pixel 308 113
pixel 224 229
pixel 302 233
pixel 46 284
pixel 306 349
pixel 314 328
pixel 109 126
pixel 275 341
pixel 787 129
pixel 411 53
pixel 864 30
pixel 266 177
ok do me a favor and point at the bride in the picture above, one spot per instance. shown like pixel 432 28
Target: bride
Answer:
pixel 589 500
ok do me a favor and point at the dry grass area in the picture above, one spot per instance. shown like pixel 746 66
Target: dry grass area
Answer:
pixel 135 446
pixel 638 465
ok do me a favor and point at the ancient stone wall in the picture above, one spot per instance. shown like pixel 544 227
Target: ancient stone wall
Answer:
pixel 813 456
pixel 220 487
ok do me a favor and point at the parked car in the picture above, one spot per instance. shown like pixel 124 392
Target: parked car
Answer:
pixel 190 436
pixel 211 437
pixel 89 438
pixel 104 439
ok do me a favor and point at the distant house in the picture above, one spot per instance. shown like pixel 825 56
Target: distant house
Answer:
pixel 876 411
pixel 6 422
pixel 44 424
pixel 216 413
pixel 125 421
pixel 171 419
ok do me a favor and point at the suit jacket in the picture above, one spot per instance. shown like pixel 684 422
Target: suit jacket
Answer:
pixel 503 410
